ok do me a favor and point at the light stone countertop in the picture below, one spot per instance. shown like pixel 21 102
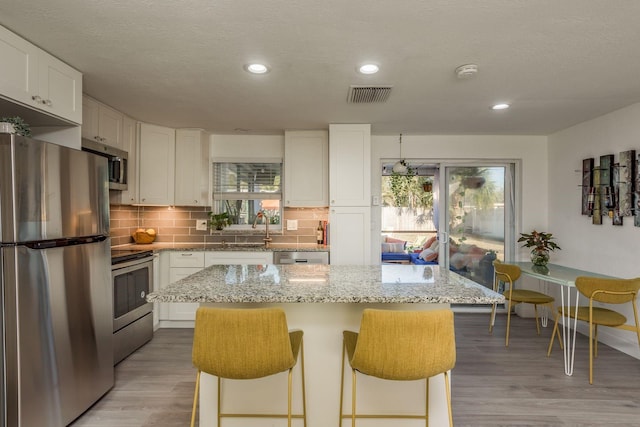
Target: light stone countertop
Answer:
pixel 386 283
pixel 228 247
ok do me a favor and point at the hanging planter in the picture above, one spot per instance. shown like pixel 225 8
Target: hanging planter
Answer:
pixel 427 187
pixel 473 182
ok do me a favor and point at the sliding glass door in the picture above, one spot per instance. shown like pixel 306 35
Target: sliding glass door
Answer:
pixel 477 218
pixel 470 207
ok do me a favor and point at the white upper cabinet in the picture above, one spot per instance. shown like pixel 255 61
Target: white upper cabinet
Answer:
pixel 350 165
pixel 102 124
pixel 306 168
pixel 192 167
pixel 156 165
pixel 34 78
pixel 60 88
pixel 18 68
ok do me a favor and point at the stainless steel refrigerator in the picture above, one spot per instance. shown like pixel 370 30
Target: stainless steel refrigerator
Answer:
pixel 56 300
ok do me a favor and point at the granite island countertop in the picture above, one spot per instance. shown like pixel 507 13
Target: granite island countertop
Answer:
pixel 386 283
pixel 227 247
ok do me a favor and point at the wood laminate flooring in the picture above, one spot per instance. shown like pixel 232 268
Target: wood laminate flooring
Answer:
pixel 491 385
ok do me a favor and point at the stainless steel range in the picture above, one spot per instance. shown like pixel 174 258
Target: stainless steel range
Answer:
pixel 132 275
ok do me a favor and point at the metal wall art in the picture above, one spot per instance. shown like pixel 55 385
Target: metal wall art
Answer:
pixel 612 189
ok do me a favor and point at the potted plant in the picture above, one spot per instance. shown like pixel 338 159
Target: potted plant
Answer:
pixel 219 221
pixel 541 243
pixel 19 126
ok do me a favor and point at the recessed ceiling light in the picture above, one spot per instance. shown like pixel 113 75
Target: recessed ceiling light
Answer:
pixel 501 106
pixel 256 68
pixel 368 69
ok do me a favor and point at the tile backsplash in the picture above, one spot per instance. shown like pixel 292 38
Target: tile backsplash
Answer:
pixel 178 225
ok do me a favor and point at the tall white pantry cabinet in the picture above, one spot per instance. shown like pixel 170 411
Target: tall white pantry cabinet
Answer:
pixel 350 193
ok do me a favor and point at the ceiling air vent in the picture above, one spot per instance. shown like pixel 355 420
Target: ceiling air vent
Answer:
pixel 368 94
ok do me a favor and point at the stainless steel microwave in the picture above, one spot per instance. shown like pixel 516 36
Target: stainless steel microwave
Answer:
pixel 118 162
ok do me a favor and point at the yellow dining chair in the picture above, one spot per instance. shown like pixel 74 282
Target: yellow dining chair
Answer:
pixel 600 290
pixel 508 274
pixel 400 345
pixel 246 344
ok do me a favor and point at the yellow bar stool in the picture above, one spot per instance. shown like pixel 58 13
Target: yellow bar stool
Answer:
pixel 243 344
pixel 508 274
pixel 600 290
pixel 400 345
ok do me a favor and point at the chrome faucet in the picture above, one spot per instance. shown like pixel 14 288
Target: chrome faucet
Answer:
pixel 267 238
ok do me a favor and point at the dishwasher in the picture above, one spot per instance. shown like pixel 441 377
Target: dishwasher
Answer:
pixel 295 257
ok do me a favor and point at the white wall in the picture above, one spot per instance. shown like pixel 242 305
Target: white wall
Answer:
pixel 530 151
pixel 602 248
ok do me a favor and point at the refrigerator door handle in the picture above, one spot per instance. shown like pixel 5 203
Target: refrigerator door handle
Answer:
pixel 56 243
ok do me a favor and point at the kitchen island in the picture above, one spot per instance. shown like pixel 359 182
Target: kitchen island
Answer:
pixel 324 300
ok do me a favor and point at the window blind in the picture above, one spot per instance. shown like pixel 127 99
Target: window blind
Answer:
pixel 240 180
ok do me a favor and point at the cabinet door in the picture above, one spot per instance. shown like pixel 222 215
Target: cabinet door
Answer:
pixel 192 168
pixel 182 310
pixel 350 165
pixel 231 257
pixel 156 165
pixel 18 68
pixel 90 117
pixel 187 259
pixel 129 144
pixel 110 127
pixel 60 88
pixel 350 235
pixel 306 168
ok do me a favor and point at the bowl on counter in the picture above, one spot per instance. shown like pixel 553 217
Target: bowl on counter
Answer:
pixel 141 236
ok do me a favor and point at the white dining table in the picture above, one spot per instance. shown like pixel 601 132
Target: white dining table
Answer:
pixel 566 278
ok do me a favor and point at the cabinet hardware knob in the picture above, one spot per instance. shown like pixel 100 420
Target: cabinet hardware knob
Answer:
pixel 36 98
pixel 47 102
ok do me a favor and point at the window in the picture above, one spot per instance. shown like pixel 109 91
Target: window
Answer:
pixel 242 189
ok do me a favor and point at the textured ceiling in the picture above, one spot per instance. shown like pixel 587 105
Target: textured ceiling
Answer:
pixel 179 63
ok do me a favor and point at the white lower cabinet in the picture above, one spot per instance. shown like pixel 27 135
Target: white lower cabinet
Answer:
pixel 181 265
pixel 230 257
pixel 185 263
pixel 350 236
